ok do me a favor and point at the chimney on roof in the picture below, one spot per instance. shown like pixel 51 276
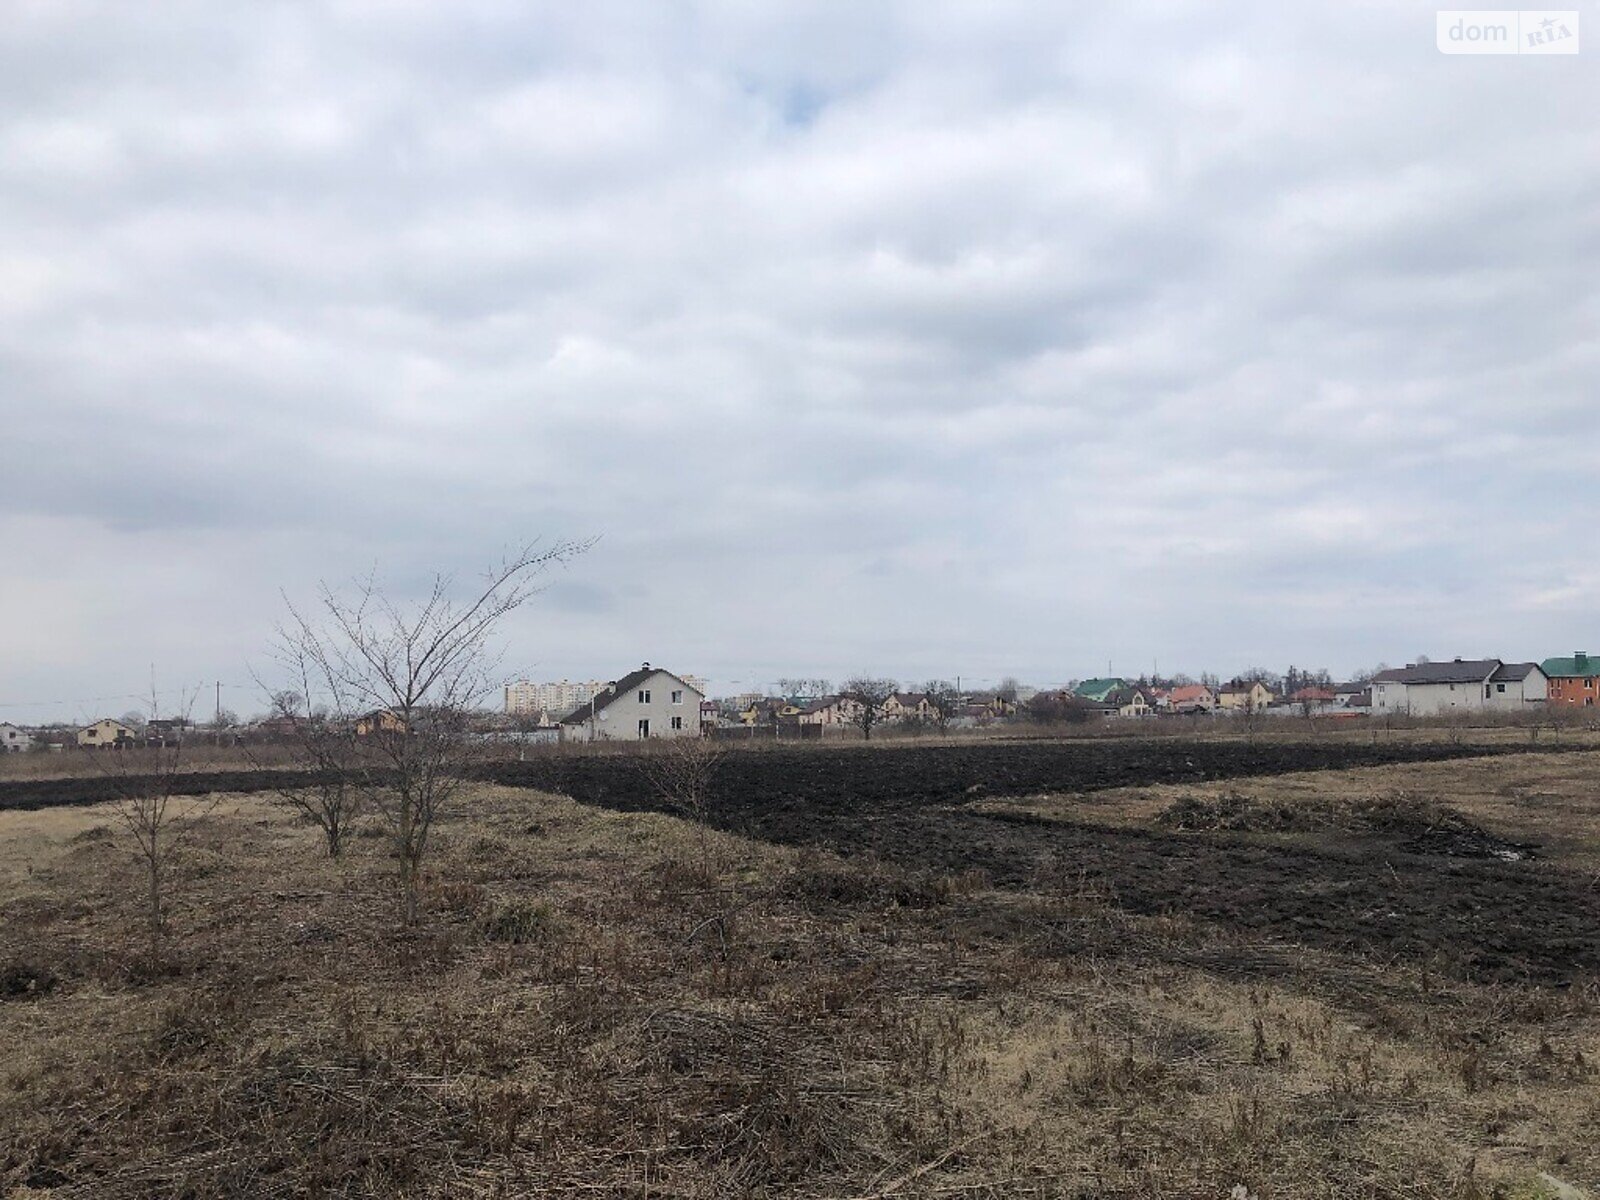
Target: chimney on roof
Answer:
pixel 1458 658
pixel 1580 659
pixel 646 666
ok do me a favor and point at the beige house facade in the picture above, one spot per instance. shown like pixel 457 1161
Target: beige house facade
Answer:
pixel 1244 697
pixel 906 706
pixel 106 733
pixel 831 712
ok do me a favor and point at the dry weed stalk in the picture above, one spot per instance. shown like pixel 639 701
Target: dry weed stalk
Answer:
pixel 146 801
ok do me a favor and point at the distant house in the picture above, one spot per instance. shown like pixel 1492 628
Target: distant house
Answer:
pixel 1460 685
pixel 379 720
pixel 1128 702
pixel 1191 698
pixel 909 706
pixel 1353 695
pixel 14 739
pixel 276 728
pixel 1515 686
pixel 1244 696
pixel 1098 689
pixel 1573 682
pixel 993 705
pixel 831 711
pixel 165 731
pixel 643 704
pixel 766 711
pixel 1358 701
pixel 106 734
pixel 1314 698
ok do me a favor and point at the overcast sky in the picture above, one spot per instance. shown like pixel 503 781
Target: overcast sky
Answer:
pixel 919 339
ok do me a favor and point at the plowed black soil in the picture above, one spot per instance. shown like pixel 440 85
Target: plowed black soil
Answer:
pixel 1484 919
pixel 831 777
pixel 854 780
pixel 1476 918
pixel 96 789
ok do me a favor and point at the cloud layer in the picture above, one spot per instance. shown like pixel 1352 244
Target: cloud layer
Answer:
pixel 920 338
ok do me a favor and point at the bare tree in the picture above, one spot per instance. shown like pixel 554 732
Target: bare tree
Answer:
pixel 683 770
pixel 869 695
pixel 1008 689
pixel 1251 717
pixel 147 801
pixel 808 689
pixel 944 700
pixel 325 750
pixel 404 681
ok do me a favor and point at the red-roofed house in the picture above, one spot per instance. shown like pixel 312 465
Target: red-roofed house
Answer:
pixel 1191 698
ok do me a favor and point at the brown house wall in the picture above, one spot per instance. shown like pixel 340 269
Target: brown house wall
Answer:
pixel 1575 692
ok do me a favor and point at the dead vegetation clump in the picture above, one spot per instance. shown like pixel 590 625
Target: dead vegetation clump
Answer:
pixel 820 884
pixel 1417 824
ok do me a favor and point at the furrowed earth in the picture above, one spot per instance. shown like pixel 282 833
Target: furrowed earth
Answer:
pixel 1314 967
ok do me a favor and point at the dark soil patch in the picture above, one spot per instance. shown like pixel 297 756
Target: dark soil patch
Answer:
pixel 1480 919
pixel 1475 916
pixel 848 777
pixel 97 789
pixel 25 981
pixel 836 779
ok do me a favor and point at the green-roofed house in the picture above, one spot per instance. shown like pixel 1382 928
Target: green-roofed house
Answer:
pixel 1574 681
pixel 1098 689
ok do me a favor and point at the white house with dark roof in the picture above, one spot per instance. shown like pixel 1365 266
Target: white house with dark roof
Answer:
pixel 14 739
pixel 1516 686
pixel 643 704
pixel 1458 686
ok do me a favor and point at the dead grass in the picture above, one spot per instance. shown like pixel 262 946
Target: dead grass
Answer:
pixel 1551 799
pixel 594 1006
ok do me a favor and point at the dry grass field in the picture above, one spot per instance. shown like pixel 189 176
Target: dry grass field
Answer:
pixel 607 1003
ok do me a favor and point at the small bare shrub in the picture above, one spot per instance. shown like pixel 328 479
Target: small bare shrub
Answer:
pixel 147 801
pixel 683 770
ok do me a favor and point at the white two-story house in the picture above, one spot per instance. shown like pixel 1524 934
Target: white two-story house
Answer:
pixel 647 703
pixel 1459 686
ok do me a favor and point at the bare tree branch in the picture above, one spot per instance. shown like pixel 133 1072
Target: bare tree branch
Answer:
pixel 400 684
